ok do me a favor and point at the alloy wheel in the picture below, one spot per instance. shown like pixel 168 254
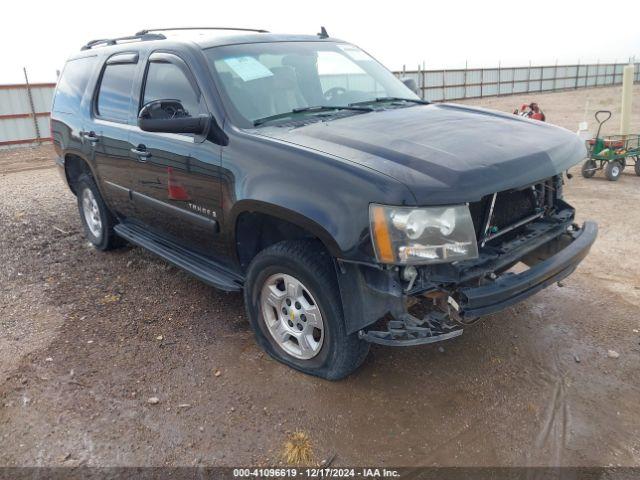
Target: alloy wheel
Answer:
pixel 292 316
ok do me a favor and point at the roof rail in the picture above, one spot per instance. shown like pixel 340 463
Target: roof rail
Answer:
pixel 114 41
pixel 146 31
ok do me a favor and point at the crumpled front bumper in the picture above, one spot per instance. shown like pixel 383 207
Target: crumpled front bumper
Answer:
pixel 512 288
pixel 552 249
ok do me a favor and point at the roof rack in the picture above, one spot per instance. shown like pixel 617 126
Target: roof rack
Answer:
pixel 114 41
pixel 146 31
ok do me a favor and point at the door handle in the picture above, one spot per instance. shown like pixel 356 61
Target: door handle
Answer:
pixel 141 152
pixel 91 137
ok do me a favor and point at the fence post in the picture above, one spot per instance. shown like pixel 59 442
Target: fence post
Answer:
pixel 529 77
pixel 498 91
pixel 627 86
pixel 575 86
pixel 31 104
pixel 466 68
pixel 513 80
pixel 597 71
pixel 423 79
pixel 555 75
pixel 481 82
pixel 444 85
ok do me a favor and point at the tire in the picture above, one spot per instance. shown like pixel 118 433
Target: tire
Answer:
pixel 330 353
pixel 97 220
pixel 612 171
pixel 637 166
pixel 589 168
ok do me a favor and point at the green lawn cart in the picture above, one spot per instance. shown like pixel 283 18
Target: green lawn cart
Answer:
pixel 610 153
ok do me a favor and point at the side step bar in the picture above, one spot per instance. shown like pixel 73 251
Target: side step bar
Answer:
pixel 200 267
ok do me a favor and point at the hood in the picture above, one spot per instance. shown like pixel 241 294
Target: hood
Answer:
pixel 444 153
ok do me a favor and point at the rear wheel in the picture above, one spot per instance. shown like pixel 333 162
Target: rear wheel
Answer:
pixel 294 307
pixel 613 170
pixel 97 220
pixel 589 168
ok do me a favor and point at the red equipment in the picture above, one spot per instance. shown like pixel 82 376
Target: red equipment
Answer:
pixel 531 111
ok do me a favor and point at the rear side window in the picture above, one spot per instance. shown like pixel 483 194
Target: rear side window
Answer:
pixel 168 81
pixel 72 84
pixel 114 95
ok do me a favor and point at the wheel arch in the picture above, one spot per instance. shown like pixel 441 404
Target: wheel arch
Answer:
pixel 256 225
pixel 74 166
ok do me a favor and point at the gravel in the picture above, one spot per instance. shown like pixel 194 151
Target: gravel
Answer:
pixel 509 391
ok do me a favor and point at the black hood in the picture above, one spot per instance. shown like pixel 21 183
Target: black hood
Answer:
pixel 444 153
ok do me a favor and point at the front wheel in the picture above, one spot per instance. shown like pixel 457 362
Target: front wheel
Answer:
pixel 294 307
pixel 589 168
pixel 612 171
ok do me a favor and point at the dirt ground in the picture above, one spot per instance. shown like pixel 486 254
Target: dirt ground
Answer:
pixel 86 338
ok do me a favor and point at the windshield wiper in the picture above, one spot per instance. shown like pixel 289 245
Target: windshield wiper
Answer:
pixel 391 99
pixel 314 109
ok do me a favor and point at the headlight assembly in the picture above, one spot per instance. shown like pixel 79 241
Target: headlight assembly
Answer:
pixel 411 236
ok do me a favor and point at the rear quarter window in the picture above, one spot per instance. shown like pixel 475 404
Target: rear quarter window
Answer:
pixel 114 94
pixel 72 84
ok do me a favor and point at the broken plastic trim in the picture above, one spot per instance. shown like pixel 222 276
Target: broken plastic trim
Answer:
pixel 409 330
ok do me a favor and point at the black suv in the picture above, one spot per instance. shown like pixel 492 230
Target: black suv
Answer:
pixel 300 170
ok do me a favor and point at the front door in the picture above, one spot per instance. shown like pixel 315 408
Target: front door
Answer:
pixel 177 193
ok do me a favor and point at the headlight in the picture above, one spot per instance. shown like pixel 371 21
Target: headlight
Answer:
pixel 407 235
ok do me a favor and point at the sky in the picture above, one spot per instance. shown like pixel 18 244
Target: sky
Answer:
pixel 40 35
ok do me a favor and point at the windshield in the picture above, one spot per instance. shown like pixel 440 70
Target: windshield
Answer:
pixel 263 80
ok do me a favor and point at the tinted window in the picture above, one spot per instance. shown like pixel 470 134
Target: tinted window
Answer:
pixel 168 81
pixel 72 84
pixel 115 91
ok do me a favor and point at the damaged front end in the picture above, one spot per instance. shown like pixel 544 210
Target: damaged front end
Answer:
pixel 527 239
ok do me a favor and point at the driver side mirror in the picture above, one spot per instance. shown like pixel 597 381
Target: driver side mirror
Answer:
pixel 170 116
pixel 411 84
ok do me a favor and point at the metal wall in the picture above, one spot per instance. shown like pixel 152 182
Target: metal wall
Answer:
pixel 445 85
pixel 21 112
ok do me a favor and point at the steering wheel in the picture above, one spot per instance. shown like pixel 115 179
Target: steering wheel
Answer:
pixel 174 109
pixel 334 93
pixel 164 109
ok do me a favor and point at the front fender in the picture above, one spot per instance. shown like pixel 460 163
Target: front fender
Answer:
pixel 321 193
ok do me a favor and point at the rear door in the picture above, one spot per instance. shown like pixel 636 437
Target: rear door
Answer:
pixel 177 192
pixel 109 136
